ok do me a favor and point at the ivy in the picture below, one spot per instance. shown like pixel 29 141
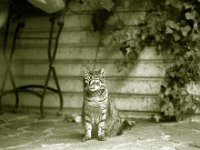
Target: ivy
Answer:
pixel 99 19
pixel 180 38
pixel 175 31
pixel 173 28
pixel 176 100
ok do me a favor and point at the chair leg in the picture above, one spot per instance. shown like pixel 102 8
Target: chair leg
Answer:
pixel 0 104
pixel 16 108
pixel 59 92
pixel 60 25
pixel 19 26
pixel 44 93
pixel 8 61
pixel 51 57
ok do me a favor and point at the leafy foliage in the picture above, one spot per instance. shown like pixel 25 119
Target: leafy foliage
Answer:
pixel 99 19
pixel 173 28
pixel 179 36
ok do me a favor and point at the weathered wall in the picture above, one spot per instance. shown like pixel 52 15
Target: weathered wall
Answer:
pixel 134 89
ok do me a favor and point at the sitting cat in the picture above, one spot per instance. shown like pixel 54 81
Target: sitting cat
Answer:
pixel 99 114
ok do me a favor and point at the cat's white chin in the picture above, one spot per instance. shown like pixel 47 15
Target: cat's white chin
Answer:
pixel 93 89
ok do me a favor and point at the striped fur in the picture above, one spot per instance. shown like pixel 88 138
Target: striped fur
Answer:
pixel 99 115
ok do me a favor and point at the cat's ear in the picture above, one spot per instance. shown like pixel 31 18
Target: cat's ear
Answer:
pixel 86 72
pixel 102 72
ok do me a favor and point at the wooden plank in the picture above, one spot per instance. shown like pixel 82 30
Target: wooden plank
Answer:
pixel 115 85
pixel 136 102
pixel 74 68
pixel 70 21
pixel 36 23
pixel 75 100
pixel 131 115
pixel 128 5
pixel 70 53
pixel 14 66
pixel 80 21
pixel 66 37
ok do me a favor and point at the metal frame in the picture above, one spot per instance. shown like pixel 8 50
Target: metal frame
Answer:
pixel 51 52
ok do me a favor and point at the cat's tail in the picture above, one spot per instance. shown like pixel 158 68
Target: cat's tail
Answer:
pixel 126 125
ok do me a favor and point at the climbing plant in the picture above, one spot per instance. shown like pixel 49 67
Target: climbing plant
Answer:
pixel 173 28
pixel 178 35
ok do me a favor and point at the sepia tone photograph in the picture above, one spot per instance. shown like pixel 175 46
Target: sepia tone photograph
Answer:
pixel 99 74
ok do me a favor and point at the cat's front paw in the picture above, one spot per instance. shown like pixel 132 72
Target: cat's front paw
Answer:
pixel 101 138
pixel 86 138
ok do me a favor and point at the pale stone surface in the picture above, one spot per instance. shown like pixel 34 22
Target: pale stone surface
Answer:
pixel 27 131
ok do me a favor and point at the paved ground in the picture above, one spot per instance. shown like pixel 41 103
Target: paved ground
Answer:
pixel 27 132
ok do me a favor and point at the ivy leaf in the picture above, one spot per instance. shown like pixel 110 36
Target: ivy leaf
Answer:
pixel 176 4
pixel 157 37
pixel 119 25
pixel 107 4
pixel 171 109
pixel 169 30
pixel 188 6
pixel 168 2
pixel 176 36
pixel 185 30
pixel 190 15
pixel 164 107
pixel 168 109
pixel 172 25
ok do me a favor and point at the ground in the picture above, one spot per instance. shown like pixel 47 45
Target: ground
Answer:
pixel 28 132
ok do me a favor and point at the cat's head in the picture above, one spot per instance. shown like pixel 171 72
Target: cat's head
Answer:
pixel 94 81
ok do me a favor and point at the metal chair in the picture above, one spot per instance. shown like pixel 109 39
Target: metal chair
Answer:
pixel 51 52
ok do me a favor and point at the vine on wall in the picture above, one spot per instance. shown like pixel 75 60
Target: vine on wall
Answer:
pixel 180 27
pixel 174 29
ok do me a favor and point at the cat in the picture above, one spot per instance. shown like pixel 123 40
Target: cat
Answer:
pixel 100 116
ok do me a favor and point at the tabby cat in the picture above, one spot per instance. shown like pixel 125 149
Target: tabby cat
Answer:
pixel 99 115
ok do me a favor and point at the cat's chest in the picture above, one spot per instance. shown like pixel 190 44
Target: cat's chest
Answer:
pixel 96 99
pixel 96 102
